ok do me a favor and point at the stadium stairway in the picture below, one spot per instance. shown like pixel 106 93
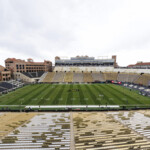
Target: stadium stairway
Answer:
pixel 133 77
pixel 49 77
pixel 43 76
pixel 143 79
pixel 68 77
pixel 87 77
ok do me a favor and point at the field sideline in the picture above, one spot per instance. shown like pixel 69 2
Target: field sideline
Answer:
pixel 73 94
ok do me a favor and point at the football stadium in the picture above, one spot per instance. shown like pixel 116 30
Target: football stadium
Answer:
pixel 78 83
pixel 74 74
pixel 79 103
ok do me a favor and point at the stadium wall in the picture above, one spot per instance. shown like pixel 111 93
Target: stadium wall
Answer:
pixel 98 69
pixel 24 78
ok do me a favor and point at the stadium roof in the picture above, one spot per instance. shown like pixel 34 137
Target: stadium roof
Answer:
pixel 140 64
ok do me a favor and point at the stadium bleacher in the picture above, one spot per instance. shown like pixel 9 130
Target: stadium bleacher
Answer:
pixel 49 77
pixel 33 74
pixel 87 77
pixel 110 75
pixel 2 89
pixel 10 85
pixel 59 77
pixel 123 77
pixel 90 77
pixel 7 85
pixel 68 77
pixel 78 77
pixel 133 77
pixel 143 79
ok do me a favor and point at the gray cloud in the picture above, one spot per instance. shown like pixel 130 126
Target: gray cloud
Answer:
pixel 42 29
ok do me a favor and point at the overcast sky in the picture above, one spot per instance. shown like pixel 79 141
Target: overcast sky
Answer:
pixel 43 29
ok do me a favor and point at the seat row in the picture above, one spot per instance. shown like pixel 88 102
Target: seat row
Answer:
pixel 96 77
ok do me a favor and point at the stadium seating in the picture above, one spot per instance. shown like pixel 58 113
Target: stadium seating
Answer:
pixel 2 89
pixel 110 75
pixel 98 77
pixel 123 77
pixel 10 121
pixel 87 77
pixel 83 68
pixel 143 79
pixel 146 79
pixel 78 77
pixel 46 131
pixel 7 85
pixel 10 85
pixel 68 77
pixel 58 77
pixel 33 74
pixel 49 77
pixel 128 77
pixel 102 132
pixel 15 83
pixel 132 77
pixel 139 122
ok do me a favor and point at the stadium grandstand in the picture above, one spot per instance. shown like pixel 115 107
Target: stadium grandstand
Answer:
pixel 79 69
pixel 85 61
pixel 84 69
pixel 71 97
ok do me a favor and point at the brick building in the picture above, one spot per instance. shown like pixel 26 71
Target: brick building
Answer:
pixel 18 65
pixel 140 65
pixel 5 75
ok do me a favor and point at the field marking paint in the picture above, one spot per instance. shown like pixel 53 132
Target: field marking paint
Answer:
pixel 72 106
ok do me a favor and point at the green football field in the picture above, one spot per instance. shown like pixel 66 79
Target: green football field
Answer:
pixel 73 94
